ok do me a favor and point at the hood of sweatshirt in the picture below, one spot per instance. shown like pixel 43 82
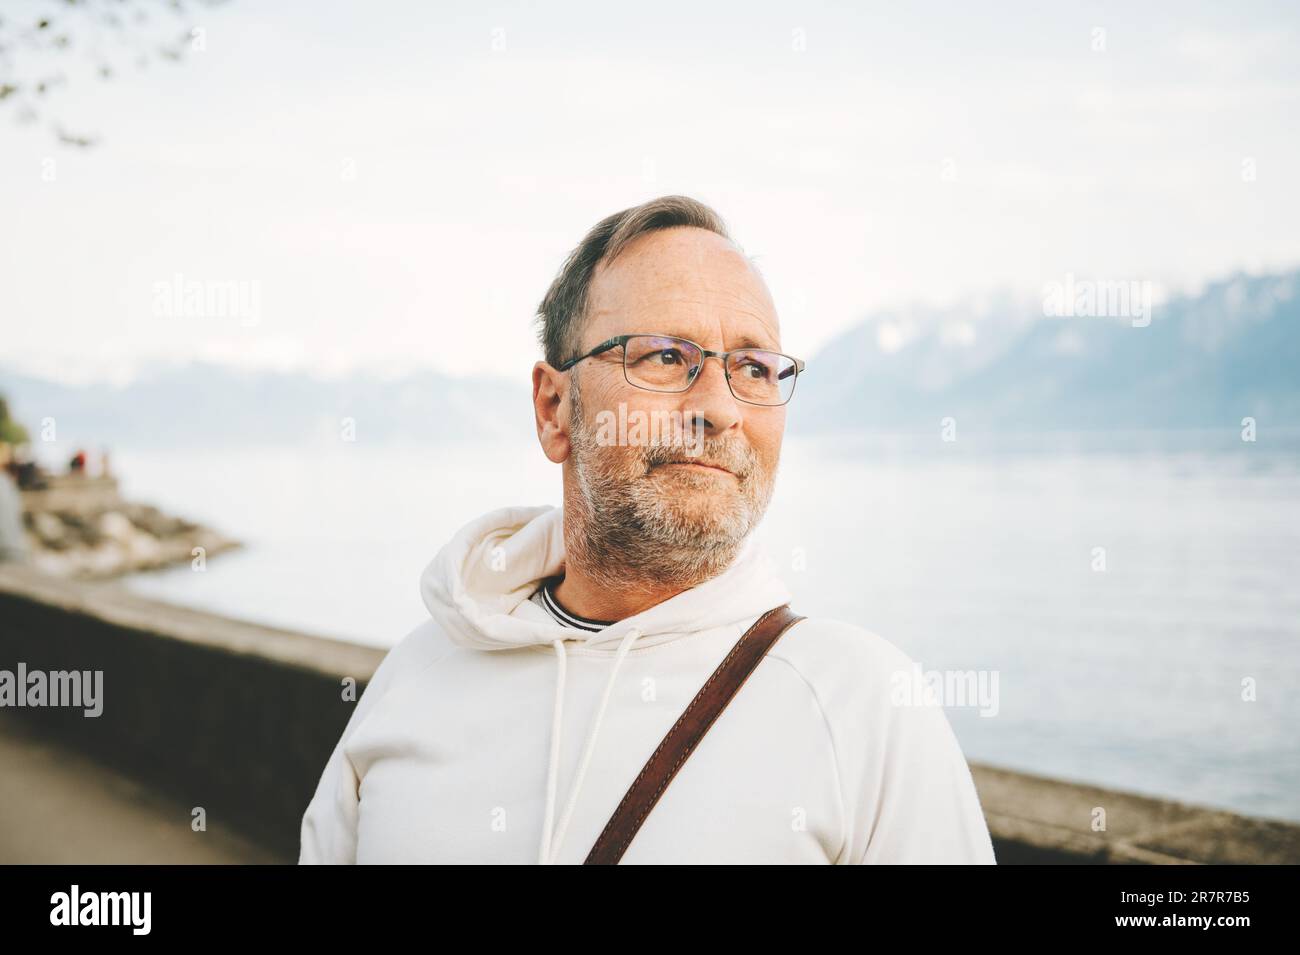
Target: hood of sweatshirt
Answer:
pixel 475 586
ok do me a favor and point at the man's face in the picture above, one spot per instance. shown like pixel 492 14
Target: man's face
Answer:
pixel 703 487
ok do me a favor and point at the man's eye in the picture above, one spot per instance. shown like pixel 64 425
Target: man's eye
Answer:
pixel 755 369
pixel 668 356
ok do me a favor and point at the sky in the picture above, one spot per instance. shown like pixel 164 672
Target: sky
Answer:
pixel 393 185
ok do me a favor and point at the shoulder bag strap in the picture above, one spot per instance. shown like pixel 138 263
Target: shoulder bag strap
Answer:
pixel 687 732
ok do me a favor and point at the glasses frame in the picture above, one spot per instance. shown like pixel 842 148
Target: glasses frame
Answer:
pixel 622 340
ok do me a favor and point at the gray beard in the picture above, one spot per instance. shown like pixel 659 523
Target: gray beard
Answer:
pixel 626 532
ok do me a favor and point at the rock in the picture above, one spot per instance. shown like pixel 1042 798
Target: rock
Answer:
pixel 81 528
pixel 78 531
pixel 50 531
pixel 116 527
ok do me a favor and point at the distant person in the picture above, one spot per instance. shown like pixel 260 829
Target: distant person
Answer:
pixel 565 643
pixel 24 469
pixel 13 540
pixel 78 463
pixel 29 476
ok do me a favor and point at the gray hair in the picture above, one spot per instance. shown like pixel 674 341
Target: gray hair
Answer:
pixel 562 310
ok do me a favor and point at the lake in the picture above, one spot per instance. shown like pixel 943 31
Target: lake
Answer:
pixel 1121 587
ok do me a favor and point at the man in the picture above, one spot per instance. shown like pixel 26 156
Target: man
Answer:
pixel 13 540
pixel 565 642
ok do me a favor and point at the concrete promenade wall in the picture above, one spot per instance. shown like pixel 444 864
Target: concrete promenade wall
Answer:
pixel 217 713
pixel 239 719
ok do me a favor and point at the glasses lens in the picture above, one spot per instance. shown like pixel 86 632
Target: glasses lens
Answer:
pixel 762 377
pixel 660 363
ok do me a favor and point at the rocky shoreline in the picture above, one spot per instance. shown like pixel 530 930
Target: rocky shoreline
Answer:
pixel 80 526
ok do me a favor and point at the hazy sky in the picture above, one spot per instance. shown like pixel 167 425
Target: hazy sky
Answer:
pixel 397 183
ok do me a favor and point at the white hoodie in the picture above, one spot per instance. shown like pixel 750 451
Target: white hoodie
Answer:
pixel 492 734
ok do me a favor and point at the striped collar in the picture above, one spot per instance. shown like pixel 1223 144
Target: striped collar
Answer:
pixel 545 597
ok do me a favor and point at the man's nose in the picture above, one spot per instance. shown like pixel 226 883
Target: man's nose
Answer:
pixel 710 398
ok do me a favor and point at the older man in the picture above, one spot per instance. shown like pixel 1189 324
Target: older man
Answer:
pixel 565 643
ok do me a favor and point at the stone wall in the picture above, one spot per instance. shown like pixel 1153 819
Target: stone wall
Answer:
pixel 240 719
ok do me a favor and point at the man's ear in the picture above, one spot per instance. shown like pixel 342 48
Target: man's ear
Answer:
pixel 551 410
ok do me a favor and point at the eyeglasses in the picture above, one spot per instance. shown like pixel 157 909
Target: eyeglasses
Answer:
pixel 666 363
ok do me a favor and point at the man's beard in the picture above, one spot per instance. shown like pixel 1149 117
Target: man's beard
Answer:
pixel 638 528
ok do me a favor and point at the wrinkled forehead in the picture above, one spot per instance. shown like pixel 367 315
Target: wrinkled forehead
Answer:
pixel 682 281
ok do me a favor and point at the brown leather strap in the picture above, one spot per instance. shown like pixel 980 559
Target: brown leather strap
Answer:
pixel 687 732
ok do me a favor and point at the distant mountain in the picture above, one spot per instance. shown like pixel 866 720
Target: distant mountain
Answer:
pixel 995 365
pixel 204 404
pixel 1203 361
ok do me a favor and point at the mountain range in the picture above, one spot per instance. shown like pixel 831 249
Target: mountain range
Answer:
pixel 1203 361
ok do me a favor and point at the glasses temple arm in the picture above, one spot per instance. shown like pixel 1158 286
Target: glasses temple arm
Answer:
pixel 598 350
pixel 792 370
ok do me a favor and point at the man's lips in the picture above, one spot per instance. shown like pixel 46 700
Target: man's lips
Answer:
pixel 703 465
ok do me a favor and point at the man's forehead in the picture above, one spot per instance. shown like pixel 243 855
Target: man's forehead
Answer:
pixel 693 272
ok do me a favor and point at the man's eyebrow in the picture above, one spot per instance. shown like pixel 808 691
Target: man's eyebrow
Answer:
pixel 745 341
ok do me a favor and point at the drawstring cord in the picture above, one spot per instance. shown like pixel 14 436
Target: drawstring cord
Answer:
pixel 557 715
pixel 552 836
